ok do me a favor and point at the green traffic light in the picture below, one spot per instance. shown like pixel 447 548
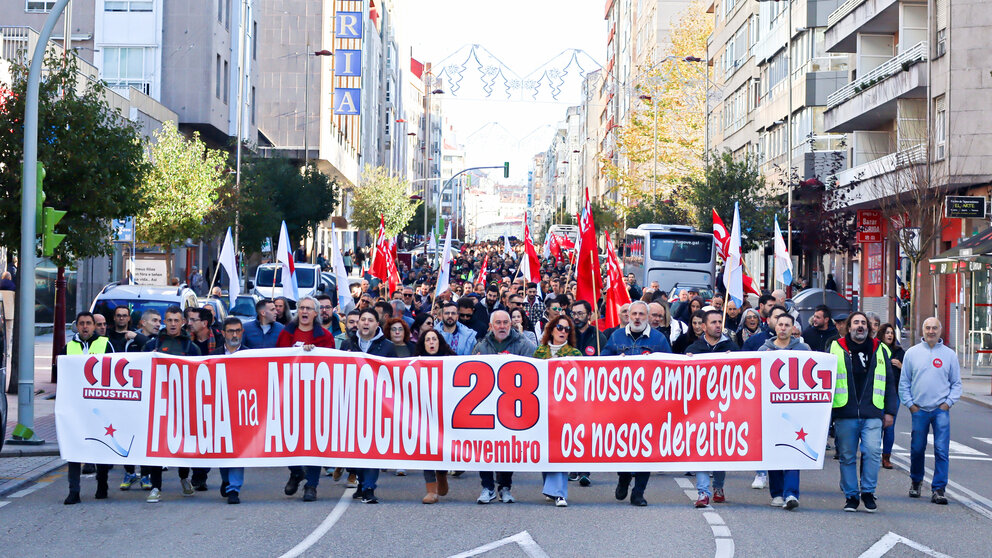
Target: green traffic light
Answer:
pixel 50 239
pixel 506 169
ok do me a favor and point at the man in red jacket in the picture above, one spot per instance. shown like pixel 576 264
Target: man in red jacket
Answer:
pixel 305 332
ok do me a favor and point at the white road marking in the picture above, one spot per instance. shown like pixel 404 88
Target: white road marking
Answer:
pixel 4 503
pixel 972 500
pixel 684 482
pixel 721 533
pixel 324 527
pixel 713 518
pixel 952 457
pixel 22 493
pixel 890 540
pixel 724 548
pixel 986 440
pixel 897 447
pixel 521 539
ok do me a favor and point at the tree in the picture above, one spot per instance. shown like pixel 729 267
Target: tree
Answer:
pixel 668 212
pixel 727 181
pixel 379 193
pixel 92 154
pixel 182 188
pixel 416 224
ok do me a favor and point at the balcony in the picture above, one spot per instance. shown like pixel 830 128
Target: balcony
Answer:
pixel 865 181
pixel 871 99
pixel 860 16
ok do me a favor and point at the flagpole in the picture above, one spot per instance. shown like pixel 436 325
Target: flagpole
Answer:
pixel 595 307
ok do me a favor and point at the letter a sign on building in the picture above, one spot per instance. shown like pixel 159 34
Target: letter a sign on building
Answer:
pixel 348 63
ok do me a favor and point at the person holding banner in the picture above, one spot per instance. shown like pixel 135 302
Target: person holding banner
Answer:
pixel 558 341
pixel 305 332
pixel 636 338
pixel 783 486
pixel 232 478
pixel 865 400
pixel 432 344
pixel 501 339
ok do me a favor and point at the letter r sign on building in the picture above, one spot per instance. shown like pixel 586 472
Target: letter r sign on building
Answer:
pixel 348 25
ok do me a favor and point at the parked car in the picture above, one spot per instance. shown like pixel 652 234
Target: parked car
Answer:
pixel 268 280
pixel 244 307
pixel 219 305
pixel 139 298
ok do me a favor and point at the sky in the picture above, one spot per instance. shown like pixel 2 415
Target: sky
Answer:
pixel 528 37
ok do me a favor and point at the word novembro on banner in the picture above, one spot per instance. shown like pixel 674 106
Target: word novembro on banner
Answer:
pixel 736 411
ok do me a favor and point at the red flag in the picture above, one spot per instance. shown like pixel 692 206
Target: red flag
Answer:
pixel 393 272
pixel 587 274
pixel 722 238
pixel 616 291
pixel 482 272
pixel 380 260
pixel 554 247
pixel 530 265
pixel 565 242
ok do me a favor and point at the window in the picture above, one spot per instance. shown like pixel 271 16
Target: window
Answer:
pixel 227 79
pixel 254 40
pixel 39 5
pixel 940 127
pixel 127 6
pixel 220 11
pixel 217 79
pixel 253 105
pixel 227 15
pixel 124 67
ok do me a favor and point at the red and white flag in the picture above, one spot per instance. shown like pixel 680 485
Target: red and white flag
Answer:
pixel 482 272
pixel 587 274
pixel 284 255
pixel 530 265
pixel 722 238
pixel 616 290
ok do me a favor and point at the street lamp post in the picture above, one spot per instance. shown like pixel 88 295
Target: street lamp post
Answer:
pixel 654 183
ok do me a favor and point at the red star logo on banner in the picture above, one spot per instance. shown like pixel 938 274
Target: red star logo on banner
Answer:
pixel 110 430
pixel 801 434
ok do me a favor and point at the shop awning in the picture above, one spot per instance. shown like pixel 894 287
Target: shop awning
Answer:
pixel 973 254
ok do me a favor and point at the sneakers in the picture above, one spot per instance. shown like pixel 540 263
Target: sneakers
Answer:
pixel 200 486
pixel 400 472
pixel 573 477
pixel 187 487
pixel 368 496
pixel 358 493
pixel 505 496
pixel 336 475
pixel 869 499
pixel 352 480
pixel 486 496
pixel 293 484
pixel 914 490
pixel 130 479
pixel 760 481
pixel 777 502
pixel 702 501
pixel 718 496
pixel 233 497
pixel 72 498
pixel 309 493
pixel 638 500
pixel 621 491
pixel 791 503
pixel 886 462
pixel 146 483
pixel 223 488
pixel 938 497
pixel 851 505
pixel 584 480
pixel 560 502
pixel 154 496
pixel 101 491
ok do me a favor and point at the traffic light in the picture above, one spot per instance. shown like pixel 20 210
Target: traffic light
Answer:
pixel 40 199
pixel 506 169
pixel 49 238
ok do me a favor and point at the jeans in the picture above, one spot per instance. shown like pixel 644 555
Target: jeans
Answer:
pixel 849 434
pixel 889 435
pixel 923 421
pixel 783 484
pixel 504 479
pixel 234 477
pixel 102 472
pixel 703 481
pixel 640 481
pixel 366 477
pixel 555 485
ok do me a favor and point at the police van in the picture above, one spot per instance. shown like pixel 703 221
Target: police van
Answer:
pixel 669 254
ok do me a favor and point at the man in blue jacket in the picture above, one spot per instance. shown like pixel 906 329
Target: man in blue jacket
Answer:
pixel 637 338
pixel 930 385
pixel 263 332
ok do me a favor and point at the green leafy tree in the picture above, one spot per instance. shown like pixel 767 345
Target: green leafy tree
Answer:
pixel 379 193
pixel 416 224
pixel 667 212
pixel 320 196
pixel 181 190
pixel 92 154
pixel 727 181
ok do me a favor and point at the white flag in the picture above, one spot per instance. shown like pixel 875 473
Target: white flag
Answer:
pixel 230 265
pixel 733 272
pixel 284 255
pixel 783 262
pixel 507 249
pixel 444 277
pixel 345 302
pixel 432 242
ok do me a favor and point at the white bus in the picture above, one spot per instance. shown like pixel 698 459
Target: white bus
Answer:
pixel 670 255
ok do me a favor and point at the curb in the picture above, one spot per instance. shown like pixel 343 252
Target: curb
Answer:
pixel 33 477
pixel 29 451
pixel 976 401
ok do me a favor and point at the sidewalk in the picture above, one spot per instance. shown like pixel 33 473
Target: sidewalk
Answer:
pixel 21 465
pixel 978 390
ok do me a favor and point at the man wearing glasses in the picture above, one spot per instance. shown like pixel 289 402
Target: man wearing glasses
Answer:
pixel 232 478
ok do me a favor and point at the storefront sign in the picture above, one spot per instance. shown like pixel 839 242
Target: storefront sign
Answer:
pixel 261 408
pixel 870 226
pixel 965 207
pixel 873 269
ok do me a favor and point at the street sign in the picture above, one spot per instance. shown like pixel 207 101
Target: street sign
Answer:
pixel 869 226
pixel 123 230
pixel 965 207
pixel 909 242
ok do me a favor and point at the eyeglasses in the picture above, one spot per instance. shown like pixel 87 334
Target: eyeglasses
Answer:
pixel 325 306
pixel 407 294
pixel 309 308
pixel 562 327
pixel 555 308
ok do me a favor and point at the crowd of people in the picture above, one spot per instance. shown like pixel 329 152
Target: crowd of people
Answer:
pixel 494 311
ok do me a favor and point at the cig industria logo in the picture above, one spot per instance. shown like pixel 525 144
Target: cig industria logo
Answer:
pixel 111 379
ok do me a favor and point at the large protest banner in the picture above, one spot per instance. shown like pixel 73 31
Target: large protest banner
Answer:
pixel 733 411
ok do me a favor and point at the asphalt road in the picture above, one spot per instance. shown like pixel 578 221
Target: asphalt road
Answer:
pixel 267 523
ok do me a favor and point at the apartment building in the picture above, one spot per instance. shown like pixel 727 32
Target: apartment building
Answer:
pixel 917 98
